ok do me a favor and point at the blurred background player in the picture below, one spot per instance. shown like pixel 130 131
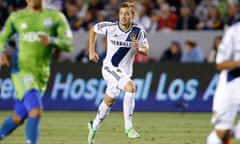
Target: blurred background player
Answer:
pixel 227 99
pixel 39 32
pixel 124 40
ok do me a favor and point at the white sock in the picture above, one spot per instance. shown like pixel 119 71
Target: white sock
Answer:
pixel 103 111
pixel 213 138
pixel 128 108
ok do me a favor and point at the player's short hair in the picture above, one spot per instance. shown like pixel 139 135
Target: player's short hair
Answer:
pixel 128 5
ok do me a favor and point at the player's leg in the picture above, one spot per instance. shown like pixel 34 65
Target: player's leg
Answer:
pixel 213 138
pixel 218 137
pixel 127 85
pixel 7 127
pixel 111 94
pixel 235 131
pixel 103 111
pixel 33 104
pixel 13 121
pixel 220 101
pixel 223 121
pixel 128 105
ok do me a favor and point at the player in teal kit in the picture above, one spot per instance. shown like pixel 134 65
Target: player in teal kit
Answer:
pixel 38 31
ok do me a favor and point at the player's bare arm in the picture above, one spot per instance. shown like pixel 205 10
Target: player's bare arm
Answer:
pixel 4 60
pixel 143 50
pixel 228 65
pixel 93 56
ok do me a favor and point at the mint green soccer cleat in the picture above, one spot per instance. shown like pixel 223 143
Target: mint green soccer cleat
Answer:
pixel 91 133
pixel 131 133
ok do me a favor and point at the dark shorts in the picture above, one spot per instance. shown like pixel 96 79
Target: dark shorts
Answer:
pixel 31 100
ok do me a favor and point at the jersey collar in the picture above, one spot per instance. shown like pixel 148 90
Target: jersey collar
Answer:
pixel 126 30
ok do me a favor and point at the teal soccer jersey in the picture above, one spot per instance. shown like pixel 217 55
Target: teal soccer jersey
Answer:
pixel 31 67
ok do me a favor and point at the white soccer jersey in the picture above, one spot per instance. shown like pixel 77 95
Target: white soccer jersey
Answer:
pixel 119 51
pixel 229 49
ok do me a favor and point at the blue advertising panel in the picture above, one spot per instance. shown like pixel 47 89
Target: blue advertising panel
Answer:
pixel 160 87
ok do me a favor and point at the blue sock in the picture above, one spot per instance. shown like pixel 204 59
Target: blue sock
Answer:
pixel 32 130
pixel 7 127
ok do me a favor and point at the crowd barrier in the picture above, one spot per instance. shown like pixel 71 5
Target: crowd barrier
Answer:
pixel 165 87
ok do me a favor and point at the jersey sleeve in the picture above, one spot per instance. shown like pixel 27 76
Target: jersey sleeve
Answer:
pixel 101 27
pixel 7 31
pixel 142 38
pixel 225 48
pixel 64 39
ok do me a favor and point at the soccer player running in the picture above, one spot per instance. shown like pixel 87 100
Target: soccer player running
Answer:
pixel 124 40
pixel 227 96
pixel 38 32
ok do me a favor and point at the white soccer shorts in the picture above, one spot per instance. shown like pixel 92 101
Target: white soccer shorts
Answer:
pixel 116 80
pixel 226 103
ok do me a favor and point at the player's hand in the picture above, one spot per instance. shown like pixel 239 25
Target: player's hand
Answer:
pixel 135 43
pixel 4 60
pixel 44 39
pixel 93 57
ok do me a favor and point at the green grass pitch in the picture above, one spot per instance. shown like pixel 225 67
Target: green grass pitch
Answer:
pixel 58 127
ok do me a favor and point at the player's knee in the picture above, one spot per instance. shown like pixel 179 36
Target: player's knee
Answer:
pixel 223 134
pixel 17 119
pixel 35 113
pixel 130 87
pixel 109 101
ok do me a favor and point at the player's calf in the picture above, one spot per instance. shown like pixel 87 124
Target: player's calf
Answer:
pixel 7 127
